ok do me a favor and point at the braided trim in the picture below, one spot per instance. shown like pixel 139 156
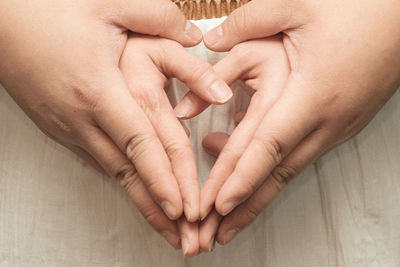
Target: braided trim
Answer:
pixel 207 9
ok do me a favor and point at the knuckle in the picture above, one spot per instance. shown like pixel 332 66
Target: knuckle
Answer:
pixel 271 147
pixel 85 90
pixel 84 97
pixel 177 150
pixel 282 175
pixel 251 213
pixel 201 72
pixel 126 175
pixel 138 144
pixel 61 125
pixel 239 22
pixel 149 100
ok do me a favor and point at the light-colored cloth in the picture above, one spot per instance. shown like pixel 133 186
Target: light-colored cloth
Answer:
pixel 215 118
pixel 342 211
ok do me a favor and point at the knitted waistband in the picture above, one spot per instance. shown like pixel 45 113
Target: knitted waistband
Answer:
pixel 206 9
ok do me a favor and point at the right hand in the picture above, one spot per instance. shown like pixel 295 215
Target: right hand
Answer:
pixel 60 62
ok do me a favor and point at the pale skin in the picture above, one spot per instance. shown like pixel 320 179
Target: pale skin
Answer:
pixel 64 63
pixel 147 63
pixel 344 61
pixel 263 66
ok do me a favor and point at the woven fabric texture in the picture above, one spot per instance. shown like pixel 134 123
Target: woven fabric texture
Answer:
pixel 206 9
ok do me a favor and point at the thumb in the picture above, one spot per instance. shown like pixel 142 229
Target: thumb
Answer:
pixel 256 19
pixel 206 87
pixel 159 18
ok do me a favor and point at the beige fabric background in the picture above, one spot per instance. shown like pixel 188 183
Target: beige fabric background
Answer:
pixel 344 210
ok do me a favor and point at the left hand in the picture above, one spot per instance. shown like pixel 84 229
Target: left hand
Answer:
pixel 344 66
pixel 264 67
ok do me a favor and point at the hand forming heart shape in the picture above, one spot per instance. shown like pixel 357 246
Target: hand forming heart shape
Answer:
pixel 316 85
pixel 337 76
pixel 146 63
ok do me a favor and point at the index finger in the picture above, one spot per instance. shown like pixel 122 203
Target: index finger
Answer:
pixel 146 86
pixel 284 126
pixel 269 90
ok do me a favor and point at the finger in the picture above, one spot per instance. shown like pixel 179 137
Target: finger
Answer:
pixel 306 152
pixel 125 122
pixel 151 211
pixel 256 19
pixel 232 151
pixel 213 143
pixel 159 17
pixel 117 165
pixel 207 231
pixel 190 106
pixel 152 98
pixel 189 237
pixel 179 150
pixel 198 75
pixel 272 141
pixel 244 60
pixel 268 91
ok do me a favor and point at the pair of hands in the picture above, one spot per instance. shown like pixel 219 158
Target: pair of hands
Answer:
pixel 74 71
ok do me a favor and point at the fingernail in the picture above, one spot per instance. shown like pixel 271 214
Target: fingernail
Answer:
pixel 183 109
pixel 173 239
pixel 204 213
pixel 193 32
pixel 169 209
pixel 227 208
pixel 212 37
pixel 229 235
pixel 188 211
pixel 220 92
pixel 185 246
pixel 211 244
